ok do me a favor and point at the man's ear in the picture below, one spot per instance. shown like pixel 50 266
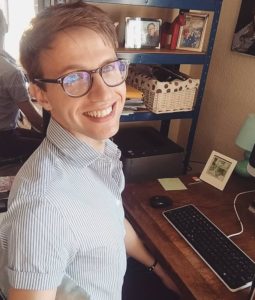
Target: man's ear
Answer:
pixel 40 96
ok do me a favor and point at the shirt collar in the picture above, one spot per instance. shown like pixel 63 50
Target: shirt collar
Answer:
pixel 76 149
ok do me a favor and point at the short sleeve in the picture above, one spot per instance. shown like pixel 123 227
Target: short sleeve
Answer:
pixel 40 246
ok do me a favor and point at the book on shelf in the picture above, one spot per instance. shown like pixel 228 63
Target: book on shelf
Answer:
pixel 134 104
pixel 127 112
pixel 133 93
pixel 134 101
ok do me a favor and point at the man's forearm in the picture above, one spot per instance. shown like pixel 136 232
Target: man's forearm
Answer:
pixel 136 249
pixel 17 294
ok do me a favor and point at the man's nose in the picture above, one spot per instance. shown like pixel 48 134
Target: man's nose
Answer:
pixel 100 91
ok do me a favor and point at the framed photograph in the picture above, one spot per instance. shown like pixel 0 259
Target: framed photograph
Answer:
pixel 192 34
pixel 60 2
pixel 48 3
pixel 142 33
pixel 244 35
pixel 218 170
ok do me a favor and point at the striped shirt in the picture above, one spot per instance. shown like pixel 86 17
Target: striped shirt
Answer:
pixel 65 221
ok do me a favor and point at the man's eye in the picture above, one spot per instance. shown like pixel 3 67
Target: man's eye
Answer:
pixel 109 68
pixel 71 78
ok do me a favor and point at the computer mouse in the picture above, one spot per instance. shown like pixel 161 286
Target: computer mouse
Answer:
pixel 160 201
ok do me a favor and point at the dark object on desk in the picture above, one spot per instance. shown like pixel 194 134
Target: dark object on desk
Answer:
pixel 233 267
pixel 160 201
pixel 3 201
pixel 4 195
pixel 251 164
pixel 147 154
pixel 11 160
pixel 252 290
pixel 163 73
pixel 3 205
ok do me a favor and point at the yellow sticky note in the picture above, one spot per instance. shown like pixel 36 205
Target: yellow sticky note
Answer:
pixel 172 184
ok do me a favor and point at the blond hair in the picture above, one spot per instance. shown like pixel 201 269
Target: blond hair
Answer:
pixel 47 24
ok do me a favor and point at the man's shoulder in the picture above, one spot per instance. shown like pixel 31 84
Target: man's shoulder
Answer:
pixel 39 171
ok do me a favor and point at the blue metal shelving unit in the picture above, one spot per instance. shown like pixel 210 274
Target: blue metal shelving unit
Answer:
pixel 174 57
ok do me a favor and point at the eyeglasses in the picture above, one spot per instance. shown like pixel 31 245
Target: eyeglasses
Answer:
pixel 78 83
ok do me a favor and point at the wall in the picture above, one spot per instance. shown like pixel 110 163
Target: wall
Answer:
pixel 18 22
pixel 229 94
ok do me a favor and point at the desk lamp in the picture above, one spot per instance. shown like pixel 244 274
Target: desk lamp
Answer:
pixel 246 140
pixel 251 163
pixel 251 170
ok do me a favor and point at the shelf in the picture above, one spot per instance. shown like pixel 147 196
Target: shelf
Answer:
pixel 161 56
pixel 149 116
pixel 208 5
pixel 171 57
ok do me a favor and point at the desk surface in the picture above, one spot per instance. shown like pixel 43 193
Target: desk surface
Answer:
pixel 190 273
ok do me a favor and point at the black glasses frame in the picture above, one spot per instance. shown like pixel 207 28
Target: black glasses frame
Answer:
pixel 60 80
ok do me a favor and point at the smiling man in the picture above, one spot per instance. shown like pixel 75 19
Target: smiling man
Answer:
pixel 65 235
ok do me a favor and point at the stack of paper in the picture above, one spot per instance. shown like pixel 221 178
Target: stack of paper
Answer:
pixel 134 101
pixel 133 93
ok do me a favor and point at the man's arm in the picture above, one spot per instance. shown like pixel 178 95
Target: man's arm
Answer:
pixel 137 250
pixel 15 294
pixel 33 116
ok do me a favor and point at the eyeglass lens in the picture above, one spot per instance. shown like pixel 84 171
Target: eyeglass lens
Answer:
pixel 78 83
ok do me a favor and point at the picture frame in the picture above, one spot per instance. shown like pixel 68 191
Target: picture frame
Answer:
pixel 191 35
pixel 243 40
pixel 48 3
pixel 218 169
pixel 142 32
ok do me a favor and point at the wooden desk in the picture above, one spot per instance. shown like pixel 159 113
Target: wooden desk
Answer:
pixel 190 273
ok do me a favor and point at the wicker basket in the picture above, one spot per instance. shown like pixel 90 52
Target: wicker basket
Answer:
pixel 164 97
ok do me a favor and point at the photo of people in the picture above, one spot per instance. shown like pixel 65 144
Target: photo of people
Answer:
pixel 151 34
pixel 191 35
pixel 244 36
pixel 190 38
pixel 218 168
pixel 142 33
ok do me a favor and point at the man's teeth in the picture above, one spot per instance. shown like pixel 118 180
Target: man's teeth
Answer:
pixel 100 113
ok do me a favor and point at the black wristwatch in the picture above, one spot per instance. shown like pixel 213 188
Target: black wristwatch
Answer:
pixel 151 268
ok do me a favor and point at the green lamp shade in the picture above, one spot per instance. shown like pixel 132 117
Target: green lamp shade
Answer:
pixel 246 141
pixel 241 168
pixel 246 136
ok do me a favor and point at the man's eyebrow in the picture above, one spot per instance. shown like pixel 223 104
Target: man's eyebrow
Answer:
pixel 70 68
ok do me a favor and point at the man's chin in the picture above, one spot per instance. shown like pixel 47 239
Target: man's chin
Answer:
pixel 110 132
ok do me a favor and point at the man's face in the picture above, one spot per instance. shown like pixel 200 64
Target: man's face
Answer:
pixel 94 116
pixel 151 30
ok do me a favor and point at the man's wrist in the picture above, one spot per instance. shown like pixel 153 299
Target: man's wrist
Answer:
pixel 152 267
